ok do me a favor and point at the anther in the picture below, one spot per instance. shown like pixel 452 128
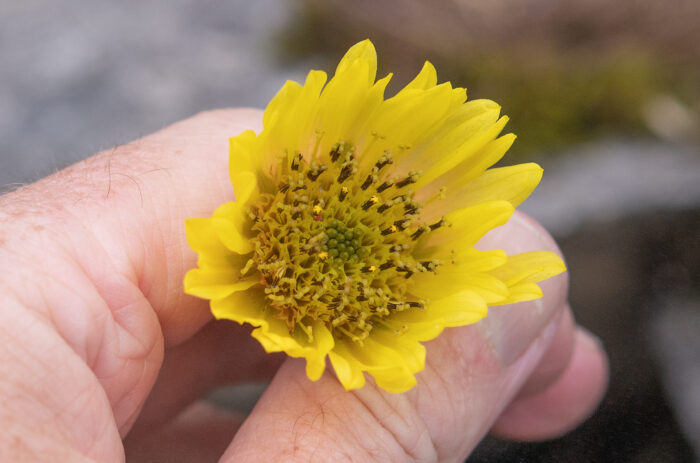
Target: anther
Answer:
pixel 438 224
pixel 296 161
pixel 314 174
pixel 392 229
pixel 335 152
pixel 384 186
pixel 368 269
pixel 345 172
pixel 384 207
pixel 284 188
pixel 418 233
pixel 386 265
pixel 323 255
pixel 343 193
pixel 402 224
pixel 412 178
pixel 429 265
pixel 370 179
pixel 384 160
pixel 371 201
pixel 301 187
pixel 415 305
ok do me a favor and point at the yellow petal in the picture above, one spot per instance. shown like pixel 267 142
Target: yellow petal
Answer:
pixel 289 118
pixel 491 154
pixel 247 306
pixel 250 307
pixel 363 52
pixel 277 108
pixel 303 115
pixel 531 267
pixel 426 78
pixel 388 367
pixel 393 379
pixel 229 222
pixel 451 132
pixel 483 131
pixel 453 279
pixel 521 292
pixel 202 237
pixel 458 309
pixel 522 271
pixel 322 344
pixel 466 257
pixel 340 103
pixel 347 369
pixel 217 283
pixel 244 185
pixel 358 132
pixel 513 184
pixel 408 118
pixel 242 156
pixel 412 352
pixel 466 226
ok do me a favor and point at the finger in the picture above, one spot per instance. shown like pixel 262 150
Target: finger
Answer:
pixel 200 434
pixel 113 225
pixel 555 360
pixel 471 374
pixel 221 353
pixel 169 176
pixel 566 403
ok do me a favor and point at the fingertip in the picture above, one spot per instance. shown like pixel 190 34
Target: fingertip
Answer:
pixel 566 403
pixel 555 360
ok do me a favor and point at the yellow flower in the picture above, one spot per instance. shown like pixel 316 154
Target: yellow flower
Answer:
pixel 352 233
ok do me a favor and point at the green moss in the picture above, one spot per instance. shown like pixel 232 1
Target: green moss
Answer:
pixel 554 96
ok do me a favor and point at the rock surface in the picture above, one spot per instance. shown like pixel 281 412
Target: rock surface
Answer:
pixel 80 76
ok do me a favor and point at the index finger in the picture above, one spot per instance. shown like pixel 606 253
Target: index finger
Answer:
pixel 98 251
pixel 134 200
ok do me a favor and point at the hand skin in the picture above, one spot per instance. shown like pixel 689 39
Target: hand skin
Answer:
pixel 102 355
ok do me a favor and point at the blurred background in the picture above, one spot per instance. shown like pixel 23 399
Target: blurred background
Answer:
pixel 604 95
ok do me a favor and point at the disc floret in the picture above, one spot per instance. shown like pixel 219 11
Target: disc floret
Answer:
pixel 335 243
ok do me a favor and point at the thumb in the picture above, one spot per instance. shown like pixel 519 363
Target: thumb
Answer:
pixel 471 375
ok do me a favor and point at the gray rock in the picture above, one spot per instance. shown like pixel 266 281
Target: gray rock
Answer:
pixel 80 76
pixel 674 339
pixel 610 179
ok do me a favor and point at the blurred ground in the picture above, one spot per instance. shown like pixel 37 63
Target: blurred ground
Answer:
pixel 79 76
pixel 605 96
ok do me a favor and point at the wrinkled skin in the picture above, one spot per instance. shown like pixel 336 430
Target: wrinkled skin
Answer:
pixel 102 355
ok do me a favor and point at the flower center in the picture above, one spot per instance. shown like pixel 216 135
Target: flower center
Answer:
pixel 335 245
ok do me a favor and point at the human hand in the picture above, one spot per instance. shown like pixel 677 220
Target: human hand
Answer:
pixel 99 343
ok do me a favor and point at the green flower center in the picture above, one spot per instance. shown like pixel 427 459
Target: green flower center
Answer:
pixel 336 246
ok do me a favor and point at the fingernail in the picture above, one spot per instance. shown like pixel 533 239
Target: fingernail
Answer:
pixel 512 328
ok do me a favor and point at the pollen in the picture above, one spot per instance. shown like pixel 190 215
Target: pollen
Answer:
pixel 351 267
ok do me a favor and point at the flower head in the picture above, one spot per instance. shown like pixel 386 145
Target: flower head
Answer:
pixel 352 233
